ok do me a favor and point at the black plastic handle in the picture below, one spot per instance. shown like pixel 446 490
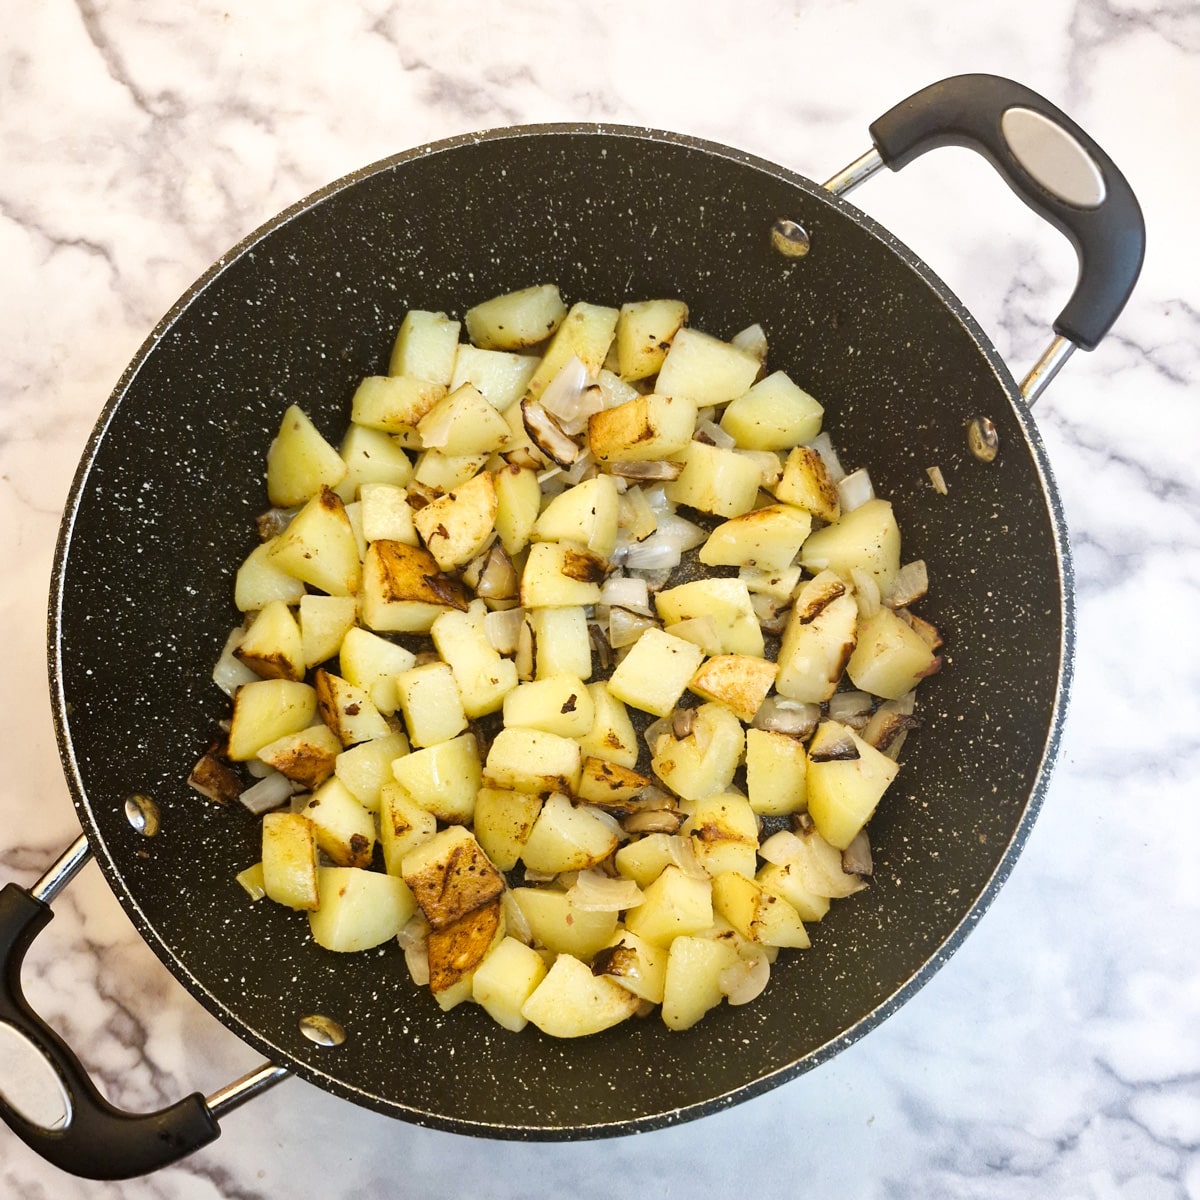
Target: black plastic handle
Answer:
pixel 99 1141
pixel 1109 237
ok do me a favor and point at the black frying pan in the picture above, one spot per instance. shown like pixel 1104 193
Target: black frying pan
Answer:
pixel 163 507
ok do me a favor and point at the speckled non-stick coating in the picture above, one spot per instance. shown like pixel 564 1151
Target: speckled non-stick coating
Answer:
pixel 163 511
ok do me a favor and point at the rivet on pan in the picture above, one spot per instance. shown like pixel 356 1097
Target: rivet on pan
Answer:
pixel 322 1030
pixel 789 239
pixel 982 439
pixel 142 813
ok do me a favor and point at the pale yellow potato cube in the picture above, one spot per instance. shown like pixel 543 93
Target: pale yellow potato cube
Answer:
pixel 516 320
pixel 758 914
pixel 644 429
pixel 612 736
pixel 818 640
pixel 738 681
pixel 464 423
pixel 505 980
pixel 386 514
pixel 705 369
pixel 843 793
pixel 566 838
pixel 890 658
pixel 655 672
pixel 644 859
pixel 347 709
pixel 778 585
pixel 428 697
pixel 787 881
pixel 715 480
pixel 559 926
pixel 692 985
pixel 404 590
pixel 501 377
pixel 608 784
pixel 865 539
pixel 645 330
pixel 560 642
pixel 450 876
pixel 324 623
pixel 319 546
pixel 674 905
pixel 775 414
pixel 300 462
pixel 344 829
pixel 704 762
pixel 457 526
pixel 561 575
pixel 289 860
pixel 572 1002
pixel 557 704
pixel 403 826
pixel 260 580
pixel 586 334
pixel 307 757
pixel 806 483
pixel 502 821
pixel 814 863
pixel 701 631
pixel 444 472
pixel 528 760
pixel 443 778
pixel 776 773
pixel 636 964
pixel 518 502
pixel 365 768
pixel 586 514
pixel 724 832
pixel 359 909
pixel 726 602
pixel 426 346
pixel 394 403
pixel 482 675
pixel 272 647
pixel 371 456
pixel 372 663
pixel 768 538
pixel 267 710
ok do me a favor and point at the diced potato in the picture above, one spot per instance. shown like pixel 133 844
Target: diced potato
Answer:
pixel 705 369
pixel 371 456
pixel 426 346
pixel 586 334
pixel 612 736
pixel 483 677
pixel 758 915
pixel 890 658
pixel 516 320
pixel 814 863
pixel 404 590
pixel 319 546
pixel 778 585
pixel 645 330
pixel 499 376
pixel 394 403
pixel 607 783
pixel 692 984
pixel 704 762
pixel 776 773
pixel 768 538
pixel 561 575
pixel 456 527
pixel 300 462
pixel 502 822
pixel 440 472
pixel 818 640
pixel 518 502
pixel 844 792
pixel 724 833
pixel 365 768
pixel 386 514
pixel 308 757
pixel 558 704
pixel 260 580
pixel 443 778
pixel 359 909
pixel 403 826
pixel 566 838
pixel 560 643
pixel 324 622
pixel 674 905
pixel 715 480
pixel 586 514
pixel 644 859
pixel 464 423
pixel 572 1002
pixel 807 484
pixel 347 709
pixel 450 875
pixel 655 672
pixel 457 948
pixel 787 881
pixel 634 963
pixel 505 980
pixel 267 710
pixel 251 881
pixel 701 631
pixel 289 859
pixel 738 681
pixel 557 924
pixel 644 429
pixel 528 760
pixel 344 829
pixel 726 602
pixel 428 697
pixel 775 414
pixel 272 647
pixel 865 539
pixel 372 663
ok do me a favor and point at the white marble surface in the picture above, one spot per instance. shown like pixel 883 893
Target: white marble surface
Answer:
pixel 1058 1054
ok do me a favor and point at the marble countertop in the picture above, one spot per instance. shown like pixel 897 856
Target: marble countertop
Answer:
pixel 1058 1053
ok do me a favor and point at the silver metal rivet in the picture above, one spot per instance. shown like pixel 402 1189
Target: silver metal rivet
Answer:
pixel 322 1030
pixel 142 813
pixel 789 239
pixel 982 439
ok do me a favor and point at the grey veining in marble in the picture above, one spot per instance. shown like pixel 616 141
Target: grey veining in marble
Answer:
pixel 1058 1054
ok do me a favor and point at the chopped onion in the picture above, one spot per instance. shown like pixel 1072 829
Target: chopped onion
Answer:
pixel 866 592
pixel 793 717
pixel 753 341
pixel 714 435
pixel 824 447
pixel 656 498
pixel 563 395
pixel 655 577
pixel 230 672
pixel 625 627
pixel 745 980
pixel 257 769
pixel 608 819
pixel 856 858
pixel 503 629
pixel 681 855
pixel 654 470
pixel 938 480
pixel 593 891
pixel 679 529
pixel 273 522
pixel 850 708
pixel 414 933
pixel 624 591
pixel 274 791
pixel 781 849
pixel 769 466
pixel 655 553
pixel 416 959
pixel 516 924
pixel 252 880
pixel 547 435
pixel 635 516
pixel 584 467
pixel 855 490
pixel 912 582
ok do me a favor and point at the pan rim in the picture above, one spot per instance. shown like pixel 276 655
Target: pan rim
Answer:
pixel 669 1116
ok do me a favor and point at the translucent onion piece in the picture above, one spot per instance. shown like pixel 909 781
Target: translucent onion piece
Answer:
pixel 912 582
pixel 563 396
pixel 745 980
pixel 436 432
pixel 781 849
pixel 416 959
pixel 593 891
pixel 682 856
pixel 657 577
pixel 753 341
pixel 794 717
pixel 855 490
pixel 824 447
pixel 687 534
pixel 584 467
pixel 624 591
pixel 850 708
pixel 866 592
pixel 654 470
pixel 709 431
pixel 609 820
pixel 656 498
pixel 257 769
pixel 625 627
pixel 274 791
pixel 655 553
pixel 230 672
pixel 503 629
pixel 635 516
pixel 414 932
pixel 515 923
pixel 655 730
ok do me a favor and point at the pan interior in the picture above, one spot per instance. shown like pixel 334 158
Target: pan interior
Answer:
pixel 163 512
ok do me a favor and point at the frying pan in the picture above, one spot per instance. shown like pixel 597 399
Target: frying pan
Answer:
pixel 162 512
